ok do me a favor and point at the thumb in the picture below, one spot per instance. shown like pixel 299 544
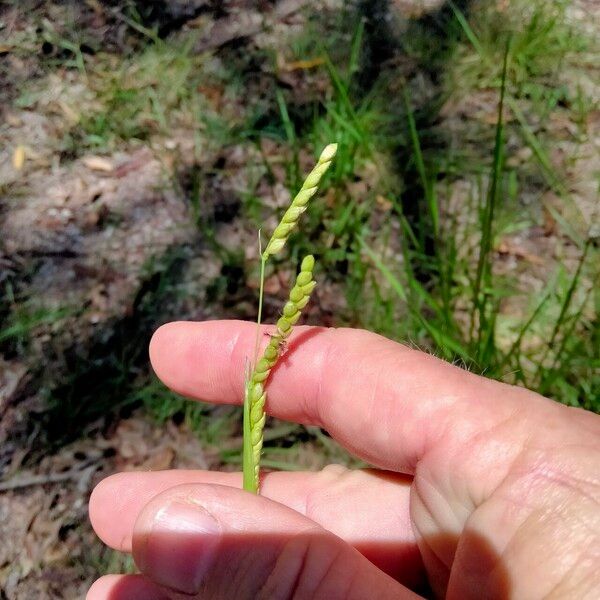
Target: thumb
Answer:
pixel 220 542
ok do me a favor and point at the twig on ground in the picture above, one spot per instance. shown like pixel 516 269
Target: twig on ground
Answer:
pixel 17 483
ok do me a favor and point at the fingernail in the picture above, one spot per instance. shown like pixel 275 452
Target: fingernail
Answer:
pixel 180 547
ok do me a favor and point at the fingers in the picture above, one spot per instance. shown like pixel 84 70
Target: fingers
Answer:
pixel 214 541
pixel 369 510
pixel 384 402
pixel 125 587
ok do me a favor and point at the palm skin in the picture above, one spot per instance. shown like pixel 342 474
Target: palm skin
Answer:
pixel 482 490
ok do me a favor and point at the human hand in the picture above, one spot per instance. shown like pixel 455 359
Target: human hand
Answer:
pixel 485 490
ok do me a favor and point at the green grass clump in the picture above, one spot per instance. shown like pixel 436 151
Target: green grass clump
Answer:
pixel 163 404
pixel 423 275
pixel 448 286
pixel 143 95
pixel 543 42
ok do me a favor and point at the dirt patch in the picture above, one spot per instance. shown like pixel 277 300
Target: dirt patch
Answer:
pixel 50 549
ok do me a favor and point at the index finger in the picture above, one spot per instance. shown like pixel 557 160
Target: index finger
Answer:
pixel 384 402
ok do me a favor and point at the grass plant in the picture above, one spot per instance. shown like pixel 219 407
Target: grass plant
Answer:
pixel 552 348
pixel 440 272
pixel 255 394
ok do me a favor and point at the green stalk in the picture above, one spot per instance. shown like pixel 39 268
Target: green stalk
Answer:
pixel 483 274
pixel 249 483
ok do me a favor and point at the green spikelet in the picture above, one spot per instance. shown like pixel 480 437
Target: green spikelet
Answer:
pixel 299 203
pixel 255 394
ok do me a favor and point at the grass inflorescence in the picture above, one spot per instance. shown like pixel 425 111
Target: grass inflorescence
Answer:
pixel 254 391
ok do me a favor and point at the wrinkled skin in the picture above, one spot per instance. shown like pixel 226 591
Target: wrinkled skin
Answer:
pixel 482 490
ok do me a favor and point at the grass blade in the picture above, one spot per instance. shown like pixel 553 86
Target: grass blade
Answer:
pixel 484 265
